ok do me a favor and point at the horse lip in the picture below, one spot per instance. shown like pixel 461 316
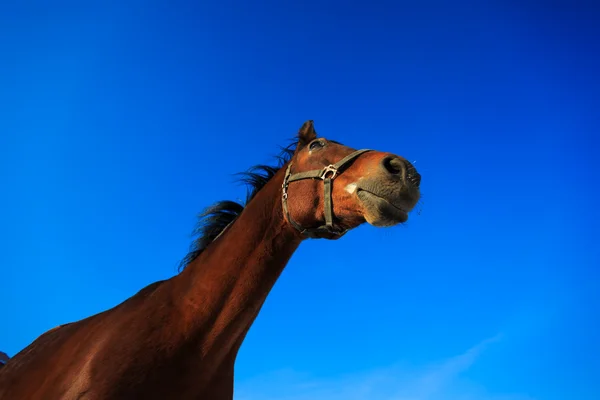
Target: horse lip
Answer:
pixel 399 207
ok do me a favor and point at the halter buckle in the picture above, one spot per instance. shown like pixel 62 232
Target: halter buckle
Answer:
pixel 329 169
pixel 284 189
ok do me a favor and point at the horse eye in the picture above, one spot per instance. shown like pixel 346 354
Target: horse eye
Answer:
pixel 316 144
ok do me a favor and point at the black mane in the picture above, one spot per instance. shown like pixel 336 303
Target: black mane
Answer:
pixel 215 218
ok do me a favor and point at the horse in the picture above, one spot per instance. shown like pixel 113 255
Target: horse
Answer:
pixel 179 338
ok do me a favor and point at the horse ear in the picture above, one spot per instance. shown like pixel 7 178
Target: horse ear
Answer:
pixel 306 134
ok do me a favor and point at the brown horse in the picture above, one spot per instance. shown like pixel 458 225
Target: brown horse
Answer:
pixel 179 338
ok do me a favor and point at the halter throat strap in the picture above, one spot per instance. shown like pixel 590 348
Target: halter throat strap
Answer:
pixel 327 175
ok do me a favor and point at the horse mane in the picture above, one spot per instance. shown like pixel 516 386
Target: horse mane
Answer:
pixel 3 359
pixel 213 220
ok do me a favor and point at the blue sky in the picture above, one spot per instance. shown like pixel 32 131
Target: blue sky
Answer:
pixel 120 121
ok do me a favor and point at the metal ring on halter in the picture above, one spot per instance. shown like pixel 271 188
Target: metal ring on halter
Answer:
pixel 330 168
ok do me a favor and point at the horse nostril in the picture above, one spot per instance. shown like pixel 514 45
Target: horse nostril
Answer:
pixel 398 165
pixel 392 164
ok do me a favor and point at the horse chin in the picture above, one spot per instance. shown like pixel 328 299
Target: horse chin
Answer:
pixel 379 211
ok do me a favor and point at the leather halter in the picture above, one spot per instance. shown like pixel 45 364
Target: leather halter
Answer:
pixel 327 175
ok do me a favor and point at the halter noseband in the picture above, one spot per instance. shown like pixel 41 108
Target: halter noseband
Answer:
pixel 327 175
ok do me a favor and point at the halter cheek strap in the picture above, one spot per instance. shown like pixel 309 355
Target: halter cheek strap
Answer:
pixel 327 175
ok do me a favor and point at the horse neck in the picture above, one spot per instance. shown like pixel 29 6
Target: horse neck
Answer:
pixel 223 290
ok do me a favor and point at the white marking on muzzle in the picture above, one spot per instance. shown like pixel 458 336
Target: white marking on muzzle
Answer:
pixel 350 188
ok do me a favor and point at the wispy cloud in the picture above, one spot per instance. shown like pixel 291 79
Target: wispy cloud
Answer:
pixel 437 381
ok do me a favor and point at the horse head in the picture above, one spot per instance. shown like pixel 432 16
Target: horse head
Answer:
pixel 330 188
